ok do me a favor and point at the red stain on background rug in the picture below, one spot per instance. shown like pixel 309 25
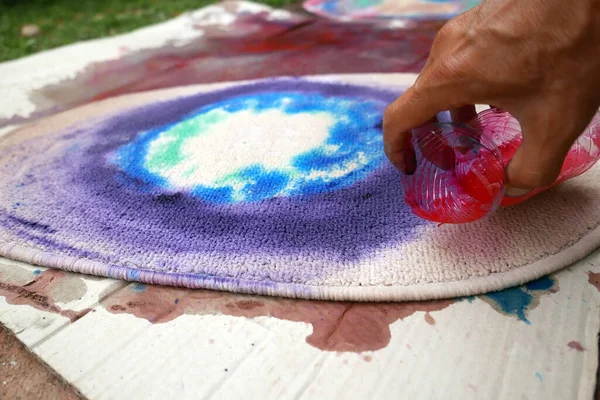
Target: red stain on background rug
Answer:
pixel 253 46
pixel 311 48
pixel 337 326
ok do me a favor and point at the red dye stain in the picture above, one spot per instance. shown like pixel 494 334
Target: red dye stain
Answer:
pixel 337 326
pixel 429 319
pixel 575 346
pixel 252 47
pixel 594 279
pixel 37 294
pixel 310 48
pixel 368 358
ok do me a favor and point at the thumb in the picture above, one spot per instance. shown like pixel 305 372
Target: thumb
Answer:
pixel 538 161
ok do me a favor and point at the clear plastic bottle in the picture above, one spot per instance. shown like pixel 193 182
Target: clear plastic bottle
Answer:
pixel 460 173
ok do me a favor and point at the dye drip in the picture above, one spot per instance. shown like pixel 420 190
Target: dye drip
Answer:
pixel 460 173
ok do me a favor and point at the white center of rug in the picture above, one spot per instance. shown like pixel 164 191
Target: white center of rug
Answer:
pixel 211 148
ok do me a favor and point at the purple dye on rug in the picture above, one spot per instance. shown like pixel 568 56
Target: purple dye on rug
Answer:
pixel 107 191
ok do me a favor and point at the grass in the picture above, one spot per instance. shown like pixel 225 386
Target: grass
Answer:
pixel 66 21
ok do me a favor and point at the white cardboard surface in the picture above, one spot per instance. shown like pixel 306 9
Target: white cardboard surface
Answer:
pixel 472 351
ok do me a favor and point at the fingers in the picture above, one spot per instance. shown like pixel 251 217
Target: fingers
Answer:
pixel 422 102
pixel 527 171
pixel 539 160
pixel 414 108
pixel 464 116
pixel 547 138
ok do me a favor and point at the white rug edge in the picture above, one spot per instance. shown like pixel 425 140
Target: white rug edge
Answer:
pixel 419 292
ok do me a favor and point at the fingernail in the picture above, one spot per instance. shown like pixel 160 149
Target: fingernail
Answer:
pixel 410 161
pixel 516 192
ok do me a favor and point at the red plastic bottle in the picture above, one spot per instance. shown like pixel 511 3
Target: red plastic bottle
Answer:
pixel 460 174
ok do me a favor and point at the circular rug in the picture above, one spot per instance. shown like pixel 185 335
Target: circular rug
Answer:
pixel 276 187
pixel 347 10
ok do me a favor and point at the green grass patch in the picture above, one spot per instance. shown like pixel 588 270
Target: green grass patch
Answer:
pixel 67 21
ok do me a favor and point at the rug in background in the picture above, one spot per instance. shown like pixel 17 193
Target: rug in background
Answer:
pixel 229 41
pixel 276 187
pixel 349 10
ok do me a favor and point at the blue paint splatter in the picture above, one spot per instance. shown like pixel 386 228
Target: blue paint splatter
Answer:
pixel 470 299
pixel 518 300
pixel 512 301
pixel 539 376
pixel 138 287
pixel 37 272
pixel 544 283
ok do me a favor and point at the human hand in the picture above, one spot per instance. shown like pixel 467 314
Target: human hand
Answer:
pixel 536 59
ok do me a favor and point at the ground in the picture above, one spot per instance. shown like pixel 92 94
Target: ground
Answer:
pixel 24 376
pixel 62 22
